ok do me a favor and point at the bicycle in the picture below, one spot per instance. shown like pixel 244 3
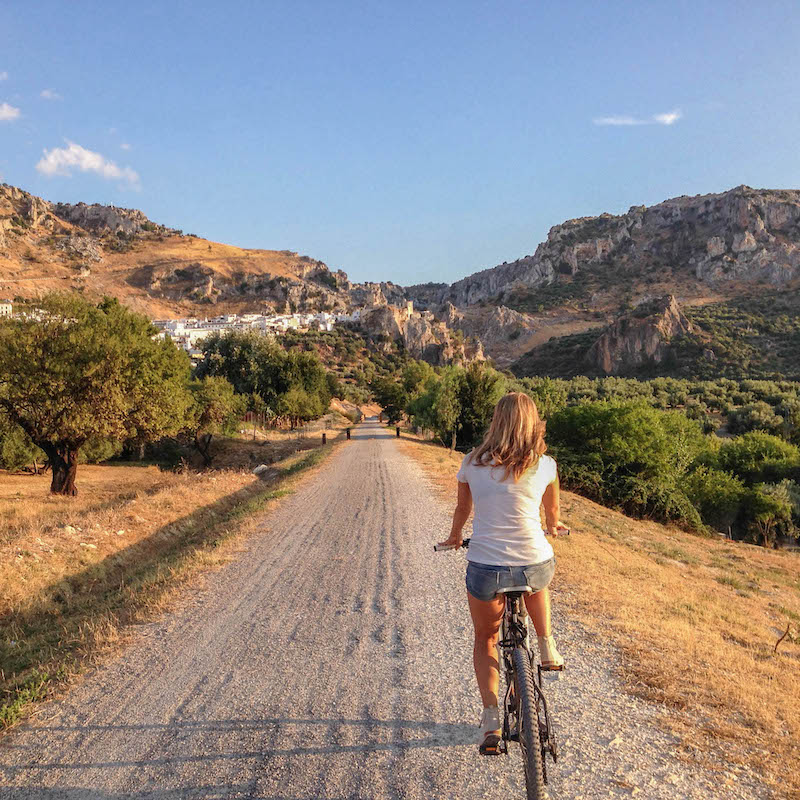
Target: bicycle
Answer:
pixel 526 717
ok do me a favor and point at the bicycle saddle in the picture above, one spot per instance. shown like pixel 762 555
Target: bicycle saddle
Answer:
pixel 510 589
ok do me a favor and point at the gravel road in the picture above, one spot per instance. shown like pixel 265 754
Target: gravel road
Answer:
pixel 332 659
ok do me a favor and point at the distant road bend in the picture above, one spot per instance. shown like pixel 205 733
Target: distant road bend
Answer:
pixel 332 659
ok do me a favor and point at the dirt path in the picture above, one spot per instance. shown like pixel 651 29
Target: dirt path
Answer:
pixel 332 659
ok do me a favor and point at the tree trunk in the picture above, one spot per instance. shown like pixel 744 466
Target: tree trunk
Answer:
pixel 202 443
pixel 64 463
pixel 140 452
pixel 453 441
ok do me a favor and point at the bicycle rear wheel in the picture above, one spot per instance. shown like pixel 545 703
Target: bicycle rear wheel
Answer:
pixel 528 722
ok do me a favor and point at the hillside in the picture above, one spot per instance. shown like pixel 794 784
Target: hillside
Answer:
pixel 748 336
pixel 157 270
pixel 540 314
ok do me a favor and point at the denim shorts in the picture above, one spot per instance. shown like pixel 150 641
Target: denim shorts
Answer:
pixel 483 580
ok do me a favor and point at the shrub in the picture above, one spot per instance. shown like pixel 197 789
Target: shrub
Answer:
pixel 755 416
pixel 629 455
pixel 759 457
pixel 717 495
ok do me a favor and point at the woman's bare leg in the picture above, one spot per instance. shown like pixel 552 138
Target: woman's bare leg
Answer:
pixel 538 605
pixel 486 618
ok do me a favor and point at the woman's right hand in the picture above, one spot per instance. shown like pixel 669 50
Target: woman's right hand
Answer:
pixel 454 540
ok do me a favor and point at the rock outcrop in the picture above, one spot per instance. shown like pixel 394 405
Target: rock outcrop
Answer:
pixel 422 335
pixel 641 338
pixel 100 219
pixel 748 235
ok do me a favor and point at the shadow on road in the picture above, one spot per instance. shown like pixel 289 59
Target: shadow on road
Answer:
pixel 405 735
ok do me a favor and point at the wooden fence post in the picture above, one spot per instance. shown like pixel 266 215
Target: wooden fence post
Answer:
pixel 348 434
pixel 397 430
pixel 324 439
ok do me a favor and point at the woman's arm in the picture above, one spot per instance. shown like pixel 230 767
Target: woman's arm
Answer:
pixel 552 508
pixel 460 515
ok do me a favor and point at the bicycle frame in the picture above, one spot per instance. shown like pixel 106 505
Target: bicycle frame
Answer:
pixel 514 633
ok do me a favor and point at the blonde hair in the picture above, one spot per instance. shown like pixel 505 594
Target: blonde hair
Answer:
pixel 515 439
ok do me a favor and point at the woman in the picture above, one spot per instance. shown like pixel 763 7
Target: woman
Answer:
pixel 508 477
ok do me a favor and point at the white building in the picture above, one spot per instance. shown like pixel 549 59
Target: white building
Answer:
pixel 6 308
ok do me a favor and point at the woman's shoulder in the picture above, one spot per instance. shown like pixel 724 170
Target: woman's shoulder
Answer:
pixel 466 463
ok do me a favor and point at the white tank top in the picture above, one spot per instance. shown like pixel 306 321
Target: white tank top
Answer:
pixel 506 527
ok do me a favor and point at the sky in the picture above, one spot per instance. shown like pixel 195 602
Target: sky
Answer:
pixel 405 141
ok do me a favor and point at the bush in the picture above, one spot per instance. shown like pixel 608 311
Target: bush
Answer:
pixel 759 457
pixel 629 455
pixel 717 495
pixel 17 450
pixel 97 450
pixel 755 416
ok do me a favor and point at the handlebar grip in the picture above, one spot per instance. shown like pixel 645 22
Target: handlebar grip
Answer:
pixel 437 548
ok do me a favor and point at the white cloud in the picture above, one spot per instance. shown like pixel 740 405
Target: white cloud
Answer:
pixel 125 146
pixel 667 118
pixel 7 112
pixel 618 121
pixel 50 94
pixel 62 160
pixel 3 76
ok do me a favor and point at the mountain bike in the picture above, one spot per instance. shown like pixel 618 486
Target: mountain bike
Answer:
pixel 526 716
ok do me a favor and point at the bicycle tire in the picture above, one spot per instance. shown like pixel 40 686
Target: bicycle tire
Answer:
pixel 528 722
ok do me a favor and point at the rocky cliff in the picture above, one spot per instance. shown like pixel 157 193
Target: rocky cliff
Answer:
pixel 422 335
pixel 643 338
pixel 743 235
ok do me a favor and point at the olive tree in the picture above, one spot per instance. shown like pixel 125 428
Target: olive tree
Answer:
pixel 71 371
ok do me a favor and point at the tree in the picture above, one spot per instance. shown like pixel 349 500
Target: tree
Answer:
pixel 299 406
pixel 480 390
pixel 759 457
pixel 216 409
pixel 75 371
pixel 17 450
pixel 446 405
pixel 770 506
pixel 391 397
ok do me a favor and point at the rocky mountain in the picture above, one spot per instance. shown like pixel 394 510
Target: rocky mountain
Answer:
pixel 718 240
pixel 158 270
pixel 589 271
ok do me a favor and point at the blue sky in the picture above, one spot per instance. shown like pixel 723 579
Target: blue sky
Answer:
pixel 406 141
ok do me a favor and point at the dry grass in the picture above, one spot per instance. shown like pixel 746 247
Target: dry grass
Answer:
pixel 696 620
pixel 74 571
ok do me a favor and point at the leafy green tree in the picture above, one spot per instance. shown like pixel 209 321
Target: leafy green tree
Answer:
pixel 75 371
pixel 756 416
pixel 16 449
pixel 629 455
pixel 416 376
pixel 717 495
pixel 480 390
pixel 759 457
pixel 299 406
pixel 216 410
pixel 446 405
pixel 770 508
pixel 391 397
pixel 549 394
